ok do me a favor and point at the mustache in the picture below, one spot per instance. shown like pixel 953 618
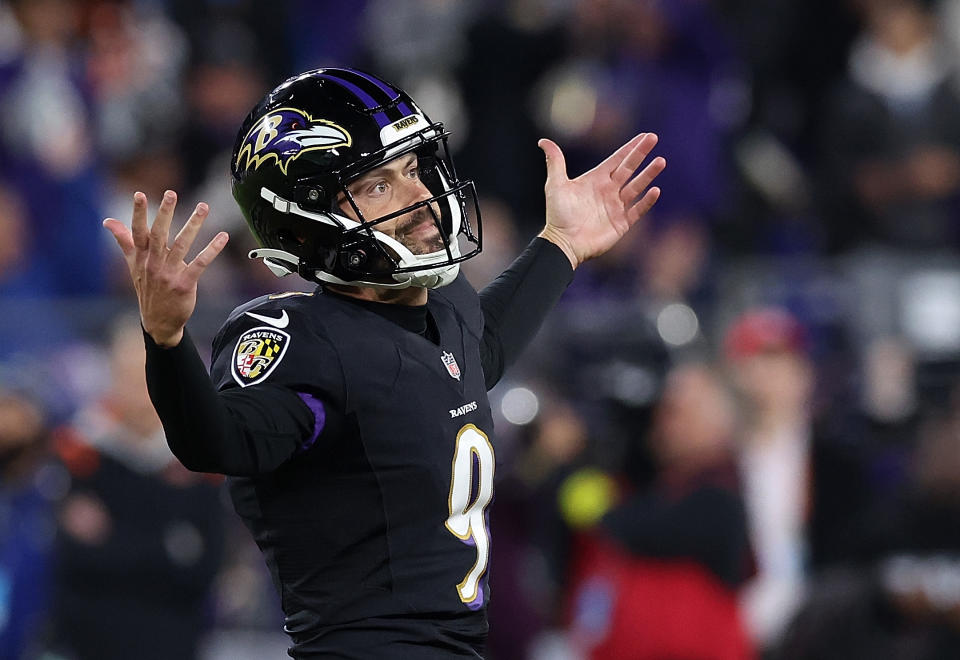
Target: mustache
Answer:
pixel 417 218
pixel 413 220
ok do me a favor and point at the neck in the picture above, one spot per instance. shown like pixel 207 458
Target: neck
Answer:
pixel 410 296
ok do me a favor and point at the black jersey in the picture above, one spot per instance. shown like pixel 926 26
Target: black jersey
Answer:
pixel 382 526
pixel 361 452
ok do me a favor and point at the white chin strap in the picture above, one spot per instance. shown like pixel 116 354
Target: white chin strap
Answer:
pixel 282 263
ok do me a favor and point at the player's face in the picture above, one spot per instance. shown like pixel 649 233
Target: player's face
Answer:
pixel 389 188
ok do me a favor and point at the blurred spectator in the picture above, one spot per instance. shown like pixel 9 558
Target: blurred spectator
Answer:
pixel 788 76
pixel 29 486
pixel 227 77
pixel 658 577
pixel 766 350
pixel 892 135
pixel 47 147
pixel 903 601
pixel 675 261
pixel 266 33
pixel 507 52
pixel 802 488
pixel 399 44
pixel 876 433
pixel 666 67
pixel 16 231
pixel 135 63
pixel 21 277
pixel 890 384
pixel 920 520
pixel 140 537
pixel 225 80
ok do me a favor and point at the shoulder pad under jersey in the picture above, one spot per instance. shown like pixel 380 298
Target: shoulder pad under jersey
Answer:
pixel 276 339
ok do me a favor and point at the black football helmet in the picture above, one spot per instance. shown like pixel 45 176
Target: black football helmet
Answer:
pixel 299 149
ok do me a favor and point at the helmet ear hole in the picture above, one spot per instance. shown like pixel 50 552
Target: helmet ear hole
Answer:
pixel 311 196
pixel 366 256
pixel 353 259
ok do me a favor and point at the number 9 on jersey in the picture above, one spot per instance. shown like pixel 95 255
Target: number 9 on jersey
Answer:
pixel 471 488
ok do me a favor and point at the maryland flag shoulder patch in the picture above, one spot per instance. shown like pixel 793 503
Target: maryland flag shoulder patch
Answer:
pixel 257 354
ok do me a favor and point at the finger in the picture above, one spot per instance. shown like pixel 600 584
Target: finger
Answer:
pixel 138 225
pixel 160 232
pixel 645 204
pixel 610 162
pixel 186 236
pixel 635 188
pixel 556 163
pixel 206 256
pixel 631 160
pixel 123 237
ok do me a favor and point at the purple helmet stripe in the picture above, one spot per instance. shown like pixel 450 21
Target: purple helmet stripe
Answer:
pixel 368 101
pixel 379 83
pixel 405 109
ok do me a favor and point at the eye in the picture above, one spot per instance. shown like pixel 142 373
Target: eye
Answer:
pixel 413 173
pixel 379 188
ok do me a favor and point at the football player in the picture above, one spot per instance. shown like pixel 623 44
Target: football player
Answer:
pixel 353 419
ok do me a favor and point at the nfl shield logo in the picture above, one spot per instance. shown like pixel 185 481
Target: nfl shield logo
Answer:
pixel 450 363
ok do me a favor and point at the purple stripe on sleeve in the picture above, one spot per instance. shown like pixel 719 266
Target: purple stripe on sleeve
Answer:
pixel 319 417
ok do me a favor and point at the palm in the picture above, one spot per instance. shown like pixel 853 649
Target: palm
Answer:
pixel 586 216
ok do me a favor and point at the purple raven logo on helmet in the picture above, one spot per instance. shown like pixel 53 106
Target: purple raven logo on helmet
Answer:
pixel 282 135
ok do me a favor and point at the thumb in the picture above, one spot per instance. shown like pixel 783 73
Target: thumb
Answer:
pixel 556 164
pixel 121 234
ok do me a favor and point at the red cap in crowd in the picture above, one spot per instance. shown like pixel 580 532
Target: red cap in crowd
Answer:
pixel 765 330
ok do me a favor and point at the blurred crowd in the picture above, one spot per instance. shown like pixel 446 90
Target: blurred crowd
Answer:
pixel 738 436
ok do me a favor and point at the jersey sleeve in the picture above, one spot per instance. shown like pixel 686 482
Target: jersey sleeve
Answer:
pixel 234 433
pixel 515 304
pixel 265 401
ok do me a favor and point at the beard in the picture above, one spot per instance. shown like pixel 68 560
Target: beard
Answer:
pixel 411 234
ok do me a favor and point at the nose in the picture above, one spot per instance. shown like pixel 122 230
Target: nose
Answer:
pixel 419 191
